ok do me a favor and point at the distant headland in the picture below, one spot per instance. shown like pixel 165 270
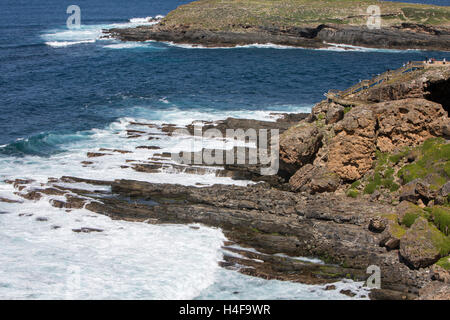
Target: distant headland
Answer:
pixel 309 24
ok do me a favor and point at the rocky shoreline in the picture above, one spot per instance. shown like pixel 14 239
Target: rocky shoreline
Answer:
pixel 403 37
pixel 363 181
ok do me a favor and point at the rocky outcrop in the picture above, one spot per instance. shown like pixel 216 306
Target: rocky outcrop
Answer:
pixel 316 37
pixel 408 122
pixel 352 149
pixel 343 135
pixel 417 246
pixel 298 146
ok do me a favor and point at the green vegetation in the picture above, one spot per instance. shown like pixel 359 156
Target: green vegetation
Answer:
pixel 395 228
pixel 444 263
pixel 441 218
pixel 395 158
pixel 352 193
pixel 440 241
pixel 433 162
pixel 255 230
pixel 425 15
pixel 438 219
pixel 347 109
pixel 230 15
pixel 355 184
pixel 383 176
pixel 397 231
pixel 409 218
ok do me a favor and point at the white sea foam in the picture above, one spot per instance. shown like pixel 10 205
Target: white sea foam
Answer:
pixel 233 285
pixel 178 116
pixel 141 20
pixel 330 47
pixel 304 259
pixel 110 166
pixel 63 37
pixel 47 260
pixel 131 45
pixel 126 261
pixel 57 44
pixel 146 20
pixel 248 46
pixel 351 48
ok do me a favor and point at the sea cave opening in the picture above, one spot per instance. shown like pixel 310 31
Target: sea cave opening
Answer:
pixel 439 92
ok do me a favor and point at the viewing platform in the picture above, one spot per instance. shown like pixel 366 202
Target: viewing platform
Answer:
pixel 390 75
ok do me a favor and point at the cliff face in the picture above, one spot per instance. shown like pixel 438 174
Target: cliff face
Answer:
pixel 299 23
pixel 343 135
pixel 389 144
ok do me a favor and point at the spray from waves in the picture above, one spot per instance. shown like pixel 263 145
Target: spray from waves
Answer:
pixel 134 45
pixel 126 260
pixel 146 20
pixel 48 144
pixel 170 113
pixel 63 37
pixel 59 44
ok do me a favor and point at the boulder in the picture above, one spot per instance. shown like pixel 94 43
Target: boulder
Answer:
pixel 334 114
pixel 440 274
pixel 408 192
pixel 445 190
pixel 298 146
pixel 418 189
pixel 390 238
pixel 313 179
pixel 377 224
pixel 417 246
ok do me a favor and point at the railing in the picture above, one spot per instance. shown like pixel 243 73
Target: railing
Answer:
pixel 386 76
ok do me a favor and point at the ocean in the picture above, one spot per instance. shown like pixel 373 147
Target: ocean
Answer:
pixel 67 92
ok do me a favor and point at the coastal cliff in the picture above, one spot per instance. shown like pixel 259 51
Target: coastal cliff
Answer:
pixel 311 24
pixel 364 181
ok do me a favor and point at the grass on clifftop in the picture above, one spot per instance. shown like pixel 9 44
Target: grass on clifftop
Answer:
pixel 228 15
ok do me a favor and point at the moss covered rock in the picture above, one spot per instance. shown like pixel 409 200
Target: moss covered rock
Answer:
pixel 421 245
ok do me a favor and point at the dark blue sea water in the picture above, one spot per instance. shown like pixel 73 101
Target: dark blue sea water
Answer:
pixel 65 89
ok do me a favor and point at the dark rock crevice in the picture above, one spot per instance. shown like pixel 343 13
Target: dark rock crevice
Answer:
pixel 439 92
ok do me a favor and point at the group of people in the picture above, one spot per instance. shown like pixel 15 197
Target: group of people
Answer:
pixel 432 61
